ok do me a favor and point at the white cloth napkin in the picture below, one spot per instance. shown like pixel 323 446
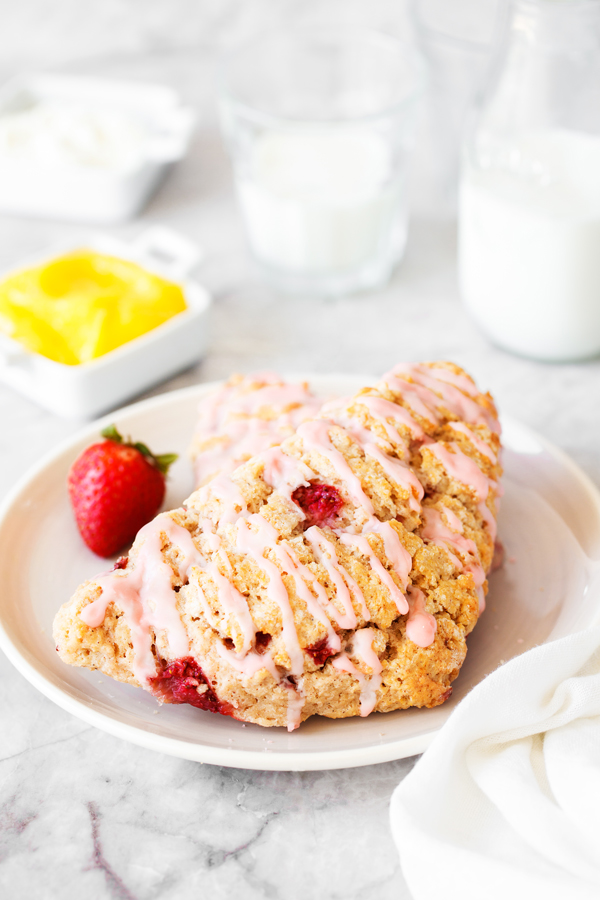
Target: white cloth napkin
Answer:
pixel 505 803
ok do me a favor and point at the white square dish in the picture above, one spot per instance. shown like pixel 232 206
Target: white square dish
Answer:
pixel 88 389
pixel 48 175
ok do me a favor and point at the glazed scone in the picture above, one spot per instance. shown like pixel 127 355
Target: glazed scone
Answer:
pixel 334 575
pixel 245 416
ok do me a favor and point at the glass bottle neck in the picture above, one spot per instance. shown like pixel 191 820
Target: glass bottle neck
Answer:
pixel 547 69
pixel 556 25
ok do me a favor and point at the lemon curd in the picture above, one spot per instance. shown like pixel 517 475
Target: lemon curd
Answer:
pixel 80 306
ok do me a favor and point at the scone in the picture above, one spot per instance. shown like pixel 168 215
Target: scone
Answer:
pixel 244 417
pixel 334 575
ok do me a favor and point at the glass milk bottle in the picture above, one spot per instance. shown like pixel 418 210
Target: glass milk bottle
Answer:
pixel 529 216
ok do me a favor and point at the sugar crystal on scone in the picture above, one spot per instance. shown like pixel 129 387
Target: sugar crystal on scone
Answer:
pixel 336 574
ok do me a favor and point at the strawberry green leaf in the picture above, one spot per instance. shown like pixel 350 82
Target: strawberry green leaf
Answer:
pixel 163 462
pixel 143 449
pixel 111 434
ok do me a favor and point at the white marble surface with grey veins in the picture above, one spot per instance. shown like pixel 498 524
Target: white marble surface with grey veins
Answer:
pixel 83 814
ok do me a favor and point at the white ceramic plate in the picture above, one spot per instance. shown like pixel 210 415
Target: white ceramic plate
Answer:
pixel 550 525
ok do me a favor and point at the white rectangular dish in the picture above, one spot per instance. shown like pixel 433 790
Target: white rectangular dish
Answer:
pixel 86 149
pixel 88 389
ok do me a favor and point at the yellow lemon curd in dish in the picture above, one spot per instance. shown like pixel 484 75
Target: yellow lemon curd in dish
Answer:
pixel 80 306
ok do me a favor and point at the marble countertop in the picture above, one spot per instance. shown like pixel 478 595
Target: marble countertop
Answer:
pixel 83 814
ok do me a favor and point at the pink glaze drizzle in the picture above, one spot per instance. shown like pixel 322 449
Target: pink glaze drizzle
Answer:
pixel 417 397
pixel 466 384
pixel 398 472
pixel 290 399
pixel 244 439
pixel 284 473
pixel 250 664
pixel 212 539
pixel 146 596
pixel 481 597
pixel 395 551
pixel 487 516
pixel 234 603
pixel 304 579
pixel 363 648
pixel 436 532
pixel 381 410
pixel 232 417
pixel 453 521
pixel 295 704
pixel 462 468
pixel 346 586
pixel 315 436
pixel 456 401
pixel 477 441
pixel 421 626
pixel 255 543
pixel 363 546
pixel 208 613
pixel 228 494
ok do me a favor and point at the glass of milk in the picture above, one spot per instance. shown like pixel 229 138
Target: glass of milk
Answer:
pixel 320 124
pixel 529 222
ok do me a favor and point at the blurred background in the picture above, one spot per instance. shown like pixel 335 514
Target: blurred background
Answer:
pixel 178 41
pixel 418 315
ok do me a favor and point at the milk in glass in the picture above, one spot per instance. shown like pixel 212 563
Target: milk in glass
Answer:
pixel 320 125
pixel 322 202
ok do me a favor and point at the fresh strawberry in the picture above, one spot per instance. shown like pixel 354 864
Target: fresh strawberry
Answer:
pixel 116 487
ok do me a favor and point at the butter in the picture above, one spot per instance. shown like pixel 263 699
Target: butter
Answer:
pixel 80 306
